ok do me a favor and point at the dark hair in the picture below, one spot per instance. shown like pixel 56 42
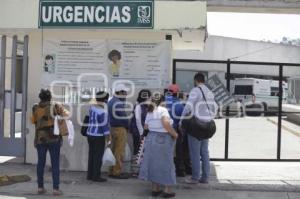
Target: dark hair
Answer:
pixel 144 94
pixel 199 77
pixel 156 100
pixel 102 96
pixel 49 57
pixel 45 95
pixel 114 53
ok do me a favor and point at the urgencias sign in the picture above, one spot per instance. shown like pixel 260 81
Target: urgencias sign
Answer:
pixel 96 14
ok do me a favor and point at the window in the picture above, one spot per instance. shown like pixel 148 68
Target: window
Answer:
pixel 243 90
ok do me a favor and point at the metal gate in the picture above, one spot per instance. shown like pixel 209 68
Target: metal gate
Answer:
pixel 13 95
pixel 276 140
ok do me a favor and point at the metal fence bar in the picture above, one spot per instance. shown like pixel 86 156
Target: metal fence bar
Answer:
pixel 227 112
pixel 2 84
pixel 24 91
pixel 237 62
pixel 13 87
pixel 279 113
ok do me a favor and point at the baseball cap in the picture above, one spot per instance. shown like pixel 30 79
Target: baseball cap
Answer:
pixel 174 88
pixel 121 87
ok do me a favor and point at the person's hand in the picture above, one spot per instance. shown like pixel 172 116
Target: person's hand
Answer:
pixel 175 136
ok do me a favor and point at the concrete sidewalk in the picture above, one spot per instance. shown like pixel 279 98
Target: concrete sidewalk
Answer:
pixel 229 180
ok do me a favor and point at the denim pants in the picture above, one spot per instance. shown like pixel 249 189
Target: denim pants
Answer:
pixel 199 153
pixel 54 150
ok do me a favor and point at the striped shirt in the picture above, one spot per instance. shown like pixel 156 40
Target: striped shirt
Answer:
pixel 98 122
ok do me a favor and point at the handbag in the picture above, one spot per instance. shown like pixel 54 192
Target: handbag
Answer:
pixel 85 125
pixel 197 128
pixel 60 126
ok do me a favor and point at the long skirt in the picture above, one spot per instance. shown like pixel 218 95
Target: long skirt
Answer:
pixel 158 162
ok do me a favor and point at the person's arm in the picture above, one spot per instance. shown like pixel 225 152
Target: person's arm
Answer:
pixel 190 104
pixel 167 125
pixel 62 111
pixel 33 116
pixel 138 119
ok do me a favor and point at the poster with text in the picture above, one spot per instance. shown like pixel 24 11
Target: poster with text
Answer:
pixel 71 60
pixel 145 64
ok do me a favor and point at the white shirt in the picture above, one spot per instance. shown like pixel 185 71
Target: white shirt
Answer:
pixel 197 105
pixel 154 119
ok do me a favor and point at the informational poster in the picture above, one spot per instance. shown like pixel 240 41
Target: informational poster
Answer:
pixel 66 60
pixel 93 62
pixel 222 96
pixel 147 65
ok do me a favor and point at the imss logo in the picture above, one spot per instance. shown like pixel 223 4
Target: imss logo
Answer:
pixel 144 14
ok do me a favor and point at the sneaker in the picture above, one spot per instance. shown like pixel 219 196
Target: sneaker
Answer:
pixel 203 181
pixel 191 181
pixel 41 191
pixel 168 195
pixel 57 192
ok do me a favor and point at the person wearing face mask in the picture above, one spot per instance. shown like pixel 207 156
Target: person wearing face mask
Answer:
pixel 119 123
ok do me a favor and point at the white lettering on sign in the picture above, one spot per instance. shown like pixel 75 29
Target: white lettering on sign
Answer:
pixel 47 18
pixel 115 16
pixel 57 12
pixel 98 16
pixel 126 12
pixel 78 14
pixel 89 14
pixel 68 14
pixel 86 14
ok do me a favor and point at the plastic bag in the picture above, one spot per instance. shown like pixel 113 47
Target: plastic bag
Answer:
pixel 108 158
pixel 56 128
pixel 127 154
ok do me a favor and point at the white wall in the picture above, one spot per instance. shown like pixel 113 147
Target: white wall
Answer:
pixel 223 48
pixel 74 158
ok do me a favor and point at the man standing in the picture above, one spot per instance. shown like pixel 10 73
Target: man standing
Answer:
pixel 175 108
pixel 202 105
pixel 119 123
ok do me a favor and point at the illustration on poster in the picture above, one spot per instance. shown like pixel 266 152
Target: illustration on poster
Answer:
pixel 115 57
pixel 49 65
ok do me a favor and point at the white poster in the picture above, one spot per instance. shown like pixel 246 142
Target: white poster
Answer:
pixel 145 64
pixel 66 60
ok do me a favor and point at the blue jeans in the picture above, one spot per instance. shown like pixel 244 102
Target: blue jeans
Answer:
pixel 54 150
pixel 199 152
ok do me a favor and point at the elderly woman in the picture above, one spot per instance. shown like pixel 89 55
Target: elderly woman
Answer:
pixel 45 140
pixel 158 165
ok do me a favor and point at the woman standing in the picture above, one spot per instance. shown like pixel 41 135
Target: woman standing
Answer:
pixel 139 117
pixel 45 140
pixel 97 133
pixel 158 164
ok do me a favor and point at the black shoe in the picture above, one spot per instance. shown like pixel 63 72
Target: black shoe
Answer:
pixel 100 180
pixel 168 195
pixel 180 174
pixel 121 176
pixel 156 193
